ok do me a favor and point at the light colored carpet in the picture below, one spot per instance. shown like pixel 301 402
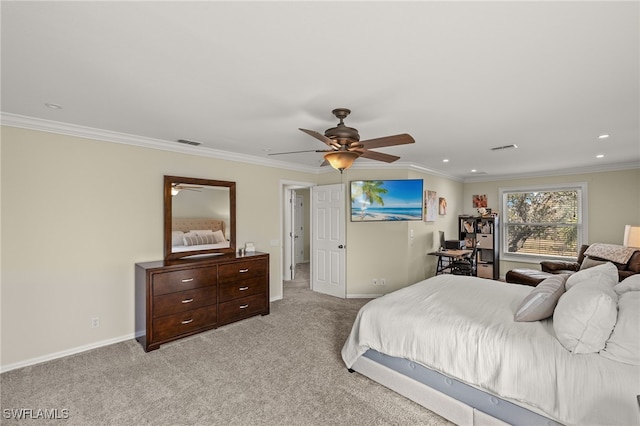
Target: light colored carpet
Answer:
pixel 301 277
pixel 281 369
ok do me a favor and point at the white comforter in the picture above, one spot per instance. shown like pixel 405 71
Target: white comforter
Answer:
pixel 463 327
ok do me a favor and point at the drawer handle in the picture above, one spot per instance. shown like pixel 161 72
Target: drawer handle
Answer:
pixel 187 301
pixel 244 306
pixel 242 271
pixel 187 321
pixel 243 288
pixel 187 280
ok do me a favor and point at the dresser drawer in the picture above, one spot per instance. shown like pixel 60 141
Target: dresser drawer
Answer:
pixel 237 289
pixel 174 325
pixel 170 282
pixel 181 301
pixel 244 307
pixel 242 270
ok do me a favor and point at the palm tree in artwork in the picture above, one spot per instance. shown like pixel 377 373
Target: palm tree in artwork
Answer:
pixel 370 192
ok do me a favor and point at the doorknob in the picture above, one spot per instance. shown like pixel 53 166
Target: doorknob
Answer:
pixel 340 246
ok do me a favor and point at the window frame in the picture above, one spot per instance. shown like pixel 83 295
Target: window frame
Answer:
pixel 582 230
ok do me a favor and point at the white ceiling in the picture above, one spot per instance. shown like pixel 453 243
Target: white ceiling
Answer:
pixel 460 77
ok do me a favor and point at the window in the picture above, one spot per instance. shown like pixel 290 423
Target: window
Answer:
pixel 543 222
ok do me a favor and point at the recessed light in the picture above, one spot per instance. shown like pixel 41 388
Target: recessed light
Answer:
pixel 473 170
pixel 603 136
pixel 446 160
pixel 600 156
pixel 53 106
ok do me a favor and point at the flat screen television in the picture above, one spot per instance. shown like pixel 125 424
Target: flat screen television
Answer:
pixel 386 200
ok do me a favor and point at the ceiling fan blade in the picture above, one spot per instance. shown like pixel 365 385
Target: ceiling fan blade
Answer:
pixel 401 139
pixel 296 152
pixel 374 155
pixel 322 138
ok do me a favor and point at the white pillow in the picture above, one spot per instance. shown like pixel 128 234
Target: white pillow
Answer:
pixel 176 238
pixel 541 301
pixel 631 283
pixel 190 239
pixel 219 236
pixel 624 343
pixel 607 273
pixel 202 231
pixel 585 316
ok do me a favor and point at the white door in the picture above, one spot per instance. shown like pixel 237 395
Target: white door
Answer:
pixel 328 273
pixel 298 230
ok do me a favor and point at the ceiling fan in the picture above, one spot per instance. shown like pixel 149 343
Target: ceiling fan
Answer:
pixel 345 145
pixel 177 187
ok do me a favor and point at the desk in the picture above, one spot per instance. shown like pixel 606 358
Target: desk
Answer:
pixel 449 256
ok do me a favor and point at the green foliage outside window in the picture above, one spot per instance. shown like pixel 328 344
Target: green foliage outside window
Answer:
pixel 542 222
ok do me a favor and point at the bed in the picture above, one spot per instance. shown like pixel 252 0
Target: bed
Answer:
pixel 451 344
pixel 188 234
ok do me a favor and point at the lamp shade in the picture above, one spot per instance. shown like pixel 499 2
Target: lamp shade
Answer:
pixel 341 160
pixel 631 236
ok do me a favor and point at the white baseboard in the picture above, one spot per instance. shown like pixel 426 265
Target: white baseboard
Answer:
pixel 61 354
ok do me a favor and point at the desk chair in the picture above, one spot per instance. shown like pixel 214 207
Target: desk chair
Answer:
pixel 466 265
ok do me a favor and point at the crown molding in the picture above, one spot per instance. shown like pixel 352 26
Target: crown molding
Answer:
pixel 30 123
pixel 550 173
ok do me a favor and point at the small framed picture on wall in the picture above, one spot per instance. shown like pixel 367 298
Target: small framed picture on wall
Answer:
pixel 479 201
pixel 442 206
pixel 431 206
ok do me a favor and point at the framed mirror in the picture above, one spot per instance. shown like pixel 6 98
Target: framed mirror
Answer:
pixel 199 217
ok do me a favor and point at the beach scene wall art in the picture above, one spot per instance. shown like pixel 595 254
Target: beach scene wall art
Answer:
pixel 386 200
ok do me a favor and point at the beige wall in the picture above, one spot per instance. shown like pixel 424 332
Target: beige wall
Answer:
pixel 77 214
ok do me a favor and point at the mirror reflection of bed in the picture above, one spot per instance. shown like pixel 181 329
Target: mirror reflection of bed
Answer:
pixel 189 234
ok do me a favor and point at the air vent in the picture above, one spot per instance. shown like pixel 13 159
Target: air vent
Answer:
pixel 186 142
pixel 500 148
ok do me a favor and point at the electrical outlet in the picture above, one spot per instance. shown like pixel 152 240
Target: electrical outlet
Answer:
pixel 375 281
pixel 95 322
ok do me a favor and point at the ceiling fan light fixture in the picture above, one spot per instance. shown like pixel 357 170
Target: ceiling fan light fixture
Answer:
pixel 341 160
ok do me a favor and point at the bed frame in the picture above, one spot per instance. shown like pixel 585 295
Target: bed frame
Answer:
pixel 450 398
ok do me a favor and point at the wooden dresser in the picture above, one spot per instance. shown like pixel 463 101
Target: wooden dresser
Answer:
pixel 179 298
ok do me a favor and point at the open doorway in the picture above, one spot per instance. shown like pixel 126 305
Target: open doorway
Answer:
pixel 296 230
